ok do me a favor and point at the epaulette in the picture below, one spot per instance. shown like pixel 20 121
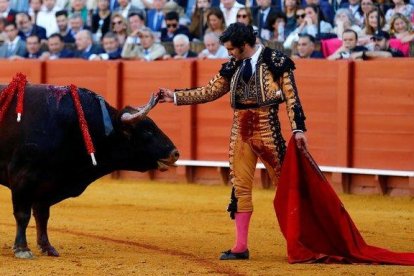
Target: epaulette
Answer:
pixel 278 62
pixel 229 68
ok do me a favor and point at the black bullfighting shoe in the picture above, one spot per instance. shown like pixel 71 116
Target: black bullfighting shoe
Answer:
pixel 228 255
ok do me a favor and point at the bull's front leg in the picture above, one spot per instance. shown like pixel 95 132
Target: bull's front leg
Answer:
pixel 41 213
pixel 21 210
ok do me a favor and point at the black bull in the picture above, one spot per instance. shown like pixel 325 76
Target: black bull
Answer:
pixel 43 159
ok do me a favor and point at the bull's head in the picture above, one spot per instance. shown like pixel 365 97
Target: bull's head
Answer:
pixel 152 147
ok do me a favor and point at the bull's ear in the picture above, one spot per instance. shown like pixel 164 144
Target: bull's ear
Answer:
pixel 139 113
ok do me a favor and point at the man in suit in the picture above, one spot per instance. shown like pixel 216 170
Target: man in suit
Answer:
pixel 111 46
pixel 182 50
pixel 14 46
pixel 173 27
pixel 33 50
pixel 155 16
pixel 261 15
pixel 63 26
pixel 84 45
pixel 6 11
pixel 56 46
pixel 306 48
pixel 148 50
pixel 27 28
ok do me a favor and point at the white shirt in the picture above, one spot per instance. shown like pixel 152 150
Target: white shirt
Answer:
pixel 230 16
pixel 47 20
pixel 255 57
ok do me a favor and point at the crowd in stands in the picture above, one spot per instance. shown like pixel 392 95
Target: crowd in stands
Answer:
pixel 160 29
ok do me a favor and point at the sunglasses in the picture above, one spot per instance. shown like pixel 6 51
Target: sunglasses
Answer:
pixel 301 15
pixel 242 16
pixel 171 25
pixel 117 23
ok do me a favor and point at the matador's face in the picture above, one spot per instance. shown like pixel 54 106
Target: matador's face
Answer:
pixel 236 52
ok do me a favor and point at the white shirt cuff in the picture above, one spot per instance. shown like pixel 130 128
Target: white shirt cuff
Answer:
pixel 175 99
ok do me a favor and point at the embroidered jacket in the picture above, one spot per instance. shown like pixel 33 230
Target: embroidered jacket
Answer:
pixel 272 84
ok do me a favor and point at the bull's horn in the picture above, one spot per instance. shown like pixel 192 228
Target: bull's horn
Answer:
pixel 141 111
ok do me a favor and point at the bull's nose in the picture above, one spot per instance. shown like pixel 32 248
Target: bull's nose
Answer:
pixel 175 155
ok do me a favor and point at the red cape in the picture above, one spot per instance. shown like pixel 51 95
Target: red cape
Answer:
pixel 314 222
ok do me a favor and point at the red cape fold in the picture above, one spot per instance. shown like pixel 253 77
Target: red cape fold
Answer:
pixel 314 221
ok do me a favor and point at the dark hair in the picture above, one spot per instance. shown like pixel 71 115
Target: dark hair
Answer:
pixel 351 31
pixel 24 14
pixel 56 35
pixel 62 12
pixel 11 23
pixel 271 19
pixel 239 34
pixel 33 35
pixel 141 16
pixel 308 36
pixel 172 15
pixel 317 10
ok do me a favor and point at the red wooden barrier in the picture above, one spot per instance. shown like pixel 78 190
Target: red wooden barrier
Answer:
pixel 31 68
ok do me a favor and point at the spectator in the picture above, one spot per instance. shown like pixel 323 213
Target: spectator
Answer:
pixel 6 11
pixel 119 27
pixel 155 16
pixel 349 46
pixel 14 46
pixel 84 45
pixel 306 48
pixel 260 16
pixel 400 6
pixel 327 12
pixel 111 47
pixel 277 23
pixel 79 7
pixel 371 26
pixel 172 27
pixel 244 15
pixel 366 7
pixel 76 24
pixel 27 28
pixel 136 22
pixel 34 8
pixel 3 36
pixel 63 26
pixel 215 21
pixel 213 48
pixel 300 23
pixel 32 48
pixel 182 50
pixel 291 6
pixel 229 9
pixel 148 50
pixel 345 20
pixel 125 8
pixel 382 48
pixel 101 20
pixel 310 24
pixel 56 48
pixel 198 23
pixel 46 17
pixel 354 7
pixel 401 29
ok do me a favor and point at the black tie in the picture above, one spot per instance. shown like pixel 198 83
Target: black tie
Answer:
pixel 247 70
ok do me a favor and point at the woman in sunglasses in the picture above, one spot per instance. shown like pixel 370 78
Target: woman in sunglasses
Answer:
pixel 119 27
pixel 244 15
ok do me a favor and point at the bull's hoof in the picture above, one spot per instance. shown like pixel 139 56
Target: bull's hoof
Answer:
pixel 23 253
pixel 49 251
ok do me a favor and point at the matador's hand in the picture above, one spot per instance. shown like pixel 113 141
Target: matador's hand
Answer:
pixel 301 140
pixel 165 95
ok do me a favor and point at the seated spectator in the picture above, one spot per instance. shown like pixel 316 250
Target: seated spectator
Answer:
pixel 312 20
pixel 27 28
pixel 402 7
pixel 84 45
pixel 3 36
pixel 366 7
pixel 148 50
pixel 199 19
pixel 14 46
pixel 136 22
pixel 34 8
pixel 382 48
pixel 306 48
pixel 101 20
pixel 213 48
pixel 56 48
pixel 172 27
pixel 32 48
pixel 345 20
pixel 79 7
pixel 276 24
pixel 244 15
pixel 401 29
pixel 261 15
pixel 327 13
pixel 215 21
pixel 155 16
pixel 354 8
pixel 290 8
pixel 111 47
pixel 119 27
pixel 63 26
pixel 46 17
pixel 300 25
pixel 349 46
pixel 76 24
pixel 6 11
pixel 182 50
pixel 371 26
pixel 125 8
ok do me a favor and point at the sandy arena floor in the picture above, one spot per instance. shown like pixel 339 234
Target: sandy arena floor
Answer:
pixel 124 228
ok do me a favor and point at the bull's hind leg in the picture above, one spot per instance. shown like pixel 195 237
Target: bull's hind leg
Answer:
pixel 21 210
pixel 41 213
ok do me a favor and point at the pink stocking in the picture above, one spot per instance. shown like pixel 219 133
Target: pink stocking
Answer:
pixel 242 231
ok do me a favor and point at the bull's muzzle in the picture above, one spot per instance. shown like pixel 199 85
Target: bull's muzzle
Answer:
pixel 164 164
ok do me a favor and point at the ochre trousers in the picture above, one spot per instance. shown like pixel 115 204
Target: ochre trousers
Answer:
pixel 255 134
